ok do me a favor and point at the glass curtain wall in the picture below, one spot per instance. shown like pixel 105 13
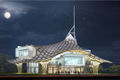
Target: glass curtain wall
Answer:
pixel 33 67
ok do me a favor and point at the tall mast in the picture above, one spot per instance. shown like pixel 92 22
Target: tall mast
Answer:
pixel 74 16
pixel 74 22
pixel 72 30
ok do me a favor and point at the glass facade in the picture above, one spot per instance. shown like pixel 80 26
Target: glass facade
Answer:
pixel 68 63
pixel 24 51
pixel 33 67
pixel 74 60
pixel 69 59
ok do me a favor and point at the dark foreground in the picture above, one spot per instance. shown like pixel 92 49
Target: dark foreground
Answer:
pixel 61 77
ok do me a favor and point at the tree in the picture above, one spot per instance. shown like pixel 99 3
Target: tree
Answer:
pixel 5 66
pixel 101 69
pixel 114 68
pixel 111 69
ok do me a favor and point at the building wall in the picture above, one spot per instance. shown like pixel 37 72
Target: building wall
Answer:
pixel 56 69
pixel 57 65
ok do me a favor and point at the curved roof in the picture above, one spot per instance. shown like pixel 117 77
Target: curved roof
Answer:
pixel 45 52
pixel 49 51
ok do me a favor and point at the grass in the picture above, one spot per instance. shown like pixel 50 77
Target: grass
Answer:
pixel 105 73
pixel 108 73
pixel 66 74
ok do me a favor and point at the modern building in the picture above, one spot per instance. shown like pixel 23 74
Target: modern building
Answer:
pixel 65 57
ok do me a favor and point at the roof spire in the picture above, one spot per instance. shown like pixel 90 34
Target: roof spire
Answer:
pixel 74 16
pixel 72 30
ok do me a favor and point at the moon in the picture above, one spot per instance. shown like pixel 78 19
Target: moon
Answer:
pixel 7 15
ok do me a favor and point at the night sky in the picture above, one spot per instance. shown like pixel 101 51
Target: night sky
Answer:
pixel 48 22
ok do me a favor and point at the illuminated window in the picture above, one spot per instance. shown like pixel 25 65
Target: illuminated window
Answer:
pixel 69 58
pixel 74 60
pixel 33 67
pixel 21 52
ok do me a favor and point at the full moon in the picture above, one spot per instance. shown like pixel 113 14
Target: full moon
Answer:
pixel 7 15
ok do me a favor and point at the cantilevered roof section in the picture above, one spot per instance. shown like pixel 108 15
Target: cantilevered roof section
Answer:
pixel 49 51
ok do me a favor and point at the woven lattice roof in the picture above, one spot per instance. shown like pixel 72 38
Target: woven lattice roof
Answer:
pixel 49 51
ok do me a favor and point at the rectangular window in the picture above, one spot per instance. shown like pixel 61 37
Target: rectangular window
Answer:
pixel 74 60
pixel 34 68
pixel 37 70
pixel 21 52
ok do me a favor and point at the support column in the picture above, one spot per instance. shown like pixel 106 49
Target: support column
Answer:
pixel 95 67
pixel 19 67
pixel 44 67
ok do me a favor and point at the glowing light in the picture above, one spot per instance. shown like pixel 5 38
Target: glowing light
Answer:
pixel 7 15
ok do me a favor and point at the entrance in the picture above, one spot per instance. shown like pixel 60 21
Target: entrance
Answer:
pixel 24 67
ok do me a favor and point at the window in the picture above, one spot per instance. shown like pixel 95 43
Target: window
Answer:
pixel 69 58
pixel 23 52
pixel 74 60
pixel 33 67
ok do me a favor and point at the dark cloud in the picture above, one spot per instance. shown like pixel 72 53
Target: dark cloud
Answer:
pixel 38 39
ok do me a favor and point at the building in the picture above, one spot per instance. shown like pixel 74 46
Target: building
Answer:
pixel 65 57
